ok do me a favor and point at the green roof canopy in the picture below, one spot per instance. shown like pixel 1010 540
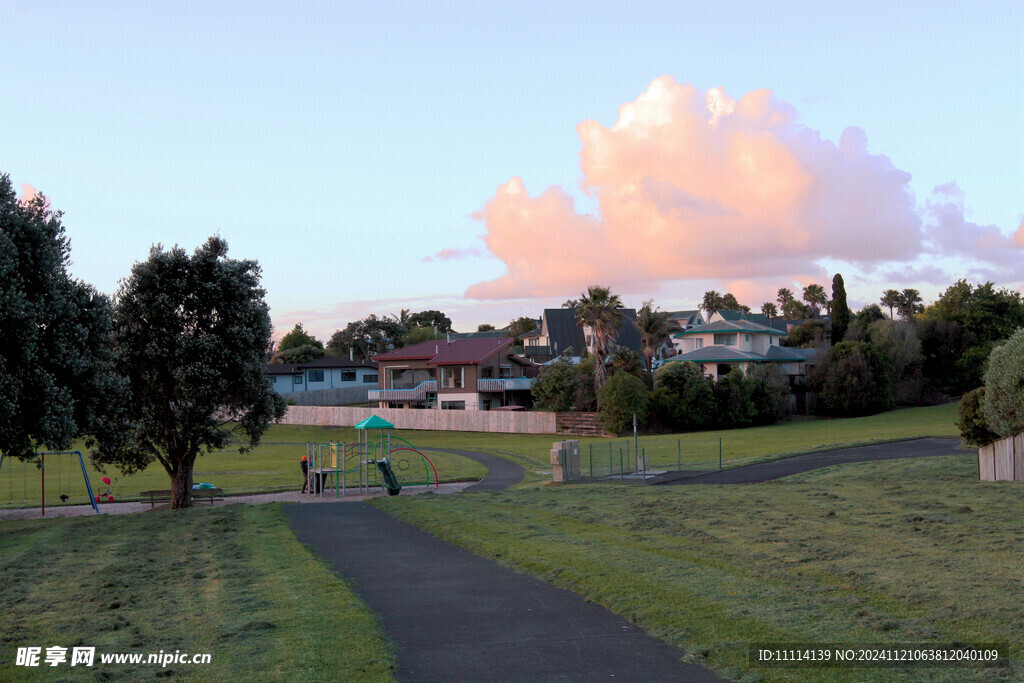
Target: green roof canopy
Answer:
pixel 374 422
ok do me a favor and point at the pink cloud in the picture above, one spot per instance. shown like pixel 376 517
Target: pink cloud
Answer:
pixel 697 186
pixel 446 255
pixel 1018 237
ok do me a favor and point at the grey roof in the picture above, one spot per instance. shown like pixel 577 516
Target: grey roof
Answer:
pixel 728 354
pixel 731 326
pixel 691 317
pixel 564 331
pixel 489 334
pixel 335 362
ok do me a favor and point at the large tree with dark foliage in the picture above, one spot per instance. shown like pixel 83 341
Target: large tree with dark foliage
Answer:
pixel 189 336
pixel 298 346
pixel 838 309
pixel 364 339
pixel 55 361
pixel 432 319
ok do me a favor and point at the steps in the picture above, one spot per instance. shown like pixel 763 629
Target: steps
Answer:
pixel 579 424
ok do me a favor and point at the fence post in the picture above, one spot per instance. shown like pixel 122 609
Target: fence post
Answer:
pixel 679 455
pixel 622 478
pixel 719 452
pixel 590 456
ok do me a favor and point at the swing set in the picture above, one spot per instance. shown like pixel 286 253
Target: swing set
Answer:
pixel 62 490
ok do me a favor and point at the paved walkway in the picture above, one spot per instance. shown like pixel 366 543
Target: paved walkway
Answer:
pixel 455 616
pixel 784 467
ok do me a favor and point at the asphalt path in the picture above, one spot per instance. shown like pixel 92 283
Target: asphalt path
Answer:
pixel 784 467
pixel 455 616
pixel 501 474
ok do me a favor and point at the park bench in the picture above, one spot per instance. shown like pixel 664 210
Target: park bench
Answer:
pixel 165 496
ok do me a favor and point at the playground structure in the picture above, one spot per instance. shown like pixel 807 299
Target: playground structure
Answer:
pixel 64 493
pixel 380 459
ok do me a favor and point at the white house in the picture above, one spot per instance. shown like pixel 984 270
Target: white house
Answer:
pixel 328 372
pixel 721 345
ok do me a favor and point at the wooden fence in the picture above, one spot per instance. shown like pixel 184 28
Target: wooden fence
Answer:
pixel 509 422
pixel 339 396
pixel 1002 460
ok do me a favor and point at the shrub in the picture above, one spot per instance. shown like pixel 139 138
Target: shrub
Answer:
pixel 622 396
pixel 691 400
pixel 971 419
pixel 856 382
pixel 734 401
pixel 556 387
pixel 1004 387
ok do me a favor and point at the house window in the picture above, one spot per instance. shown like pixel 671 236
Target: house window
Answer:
pixel 370 379
pixel 453 405
pixel 298 379
pixel 316 375
pixel 725 339
pixel 723 370
pixel 348 375
pixel 452 378
pixel 487 373
pixel 698 343
pixel 746 337
pixel 506 371
pixel 273 380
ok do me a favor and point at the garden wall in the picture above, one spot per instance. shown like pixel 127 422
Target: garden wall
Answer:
pixel 509 422
pixel 1002 460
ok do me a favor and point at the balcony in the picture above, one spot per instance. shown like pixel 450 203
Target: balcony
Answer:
pixel 417 393
pixel 536 351
pixel 510 384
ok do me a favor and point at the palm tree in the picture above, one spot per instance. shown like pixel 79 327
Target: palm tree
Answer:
pixel 784 297
pixel 769 311
pixel 713 302
pixel 816 298
pixel 653 326
pixel 890 298
pixel 909 304
pixel 601 311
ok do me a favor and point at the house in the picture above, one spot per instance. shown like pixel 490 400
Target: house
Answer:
pixel 559 331
pixel 328 372
pixel 460 374
pixel 684 320
pixel 721 345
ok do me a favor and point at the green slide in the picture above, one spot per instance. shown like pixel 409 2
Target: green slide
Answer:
pixel 388 475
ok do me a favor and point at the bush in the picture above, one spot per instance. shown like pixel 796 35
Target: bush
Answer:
pixel 971 419
pixel 1004 387
pixel 622 396
pixel 556 387
pixel 856 381
pixel 690 403
pixel 734 400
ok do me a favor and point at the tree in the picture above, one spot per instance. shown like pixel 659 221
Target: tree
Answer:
pixel 890 298
pixel 601 311
pixel 55 361
pixel 485 327
pixel 619 399
pixel 897 340
pixel 987 314
pixel 814 295
pixel 653 326
pixel 556 386
pixel 188 336
pixel 432 319
pixel 1004 387
pixel 838 310
pixel 418 335
pixel 729 303
pixel 784 296
pixel 693 399
pixel 795 310
pixel 712 303
pixel 520 326
pixel 298 347
pixel 858 329
pixel 909 304
pixel 807 335
pixel 628 361
pixel 366 338
pixel 856 381
pixel 769 311
pixel 402 318
pixel 734 400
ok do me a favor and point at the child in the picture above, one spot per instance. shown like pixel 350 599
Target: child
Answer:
pixel 305 474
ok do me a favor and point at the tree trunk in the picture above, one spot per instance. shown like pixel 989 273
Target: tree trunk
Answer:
pixel 181 487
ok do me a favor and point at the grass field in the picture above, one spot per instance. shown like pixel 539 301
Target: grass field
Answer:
pixel 274 466
pixel 885 552
pixel 231 581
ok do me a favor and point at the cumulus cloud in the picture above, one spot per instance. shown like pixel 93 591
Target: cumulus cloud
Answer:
pixel 692 186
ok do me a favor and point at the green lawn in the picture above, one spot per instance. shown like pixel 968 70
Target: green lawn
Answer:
pixel 274 466
pixel 886 552
pixel 230 581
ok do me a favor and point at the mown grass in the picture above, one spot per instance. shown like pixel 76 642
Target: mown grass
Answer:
pixel 230 581
pixel 885 552
pixel 274 466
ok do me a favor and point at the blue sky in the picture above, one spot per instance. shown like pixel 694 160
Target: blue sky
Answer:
pixel 342 144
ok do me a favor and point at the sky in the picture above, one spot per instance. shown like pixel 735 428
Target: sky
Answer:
pixel 493 159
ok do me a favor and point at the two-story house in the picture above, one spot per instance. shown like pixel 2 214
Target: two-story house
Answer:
pixel 560 330
pixel 719 346
pixel 460 374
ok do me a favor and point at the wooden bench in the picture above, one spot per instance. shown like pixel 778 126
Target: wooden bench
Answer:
pixel 165 496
